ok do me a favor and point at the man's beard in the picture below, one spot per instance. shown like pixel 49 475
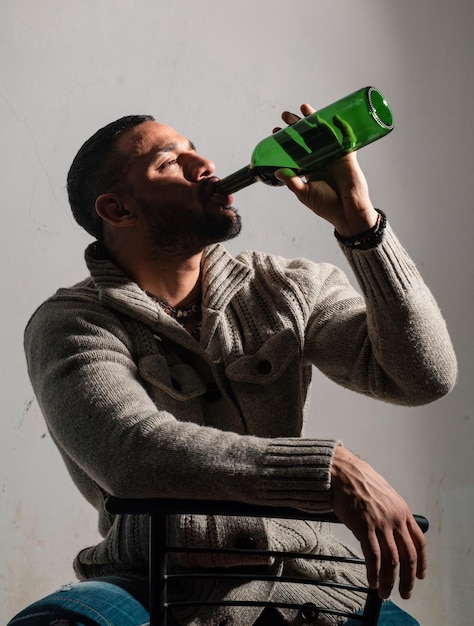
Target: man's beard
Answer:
pixel 178 232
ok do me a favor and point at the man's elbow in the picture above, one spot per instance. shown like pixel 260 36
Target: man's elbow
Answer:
pixel 436 383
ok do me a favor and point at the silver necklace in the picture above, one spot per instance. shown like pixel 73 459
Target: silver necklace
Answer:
pixel 180 314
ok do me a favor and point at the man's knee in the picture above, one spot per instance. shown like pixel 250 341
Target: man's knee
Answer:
pixel 90 603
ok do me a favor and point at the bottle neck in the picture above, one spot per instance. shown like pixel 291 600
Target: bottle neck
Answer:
pixel 235 182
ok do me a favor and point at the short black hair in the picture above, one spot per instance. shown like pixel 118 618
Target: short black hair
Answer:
pixel 96 169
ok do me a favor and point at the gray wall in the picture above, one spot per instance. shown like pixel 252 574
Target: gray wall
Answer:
pixel 221 73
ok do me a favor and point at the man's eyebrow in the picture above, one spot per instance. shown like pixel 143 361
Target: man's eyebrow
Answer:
pixel 169 147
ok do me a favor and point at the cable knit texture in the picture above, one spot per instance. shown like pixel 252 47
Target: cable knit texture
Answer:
pixel 138 408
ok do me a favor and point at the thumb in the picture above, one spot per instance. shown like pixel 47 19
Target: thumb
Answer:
pixel 288 177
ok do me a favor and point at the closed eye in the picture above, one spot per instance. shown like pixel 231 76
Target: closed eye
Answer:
pixel 168 163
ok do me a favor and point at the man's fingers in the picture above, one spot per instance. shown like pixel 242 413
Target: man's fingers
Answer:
pixel 419 542
pixel 412 549
pixel 371 550
pixel 390 559
pixel 388 555
pixel 403 553
pixel 307 109
pixel 289 118
pixel 408 563
pixel 413 562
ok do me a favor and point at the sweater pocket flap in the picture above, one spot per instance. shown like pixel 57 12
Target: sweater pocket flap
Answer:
pixel 179 381
pixel 269 362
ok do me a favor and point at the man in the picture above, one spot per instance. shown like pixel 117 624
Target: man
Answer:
pixel 176 370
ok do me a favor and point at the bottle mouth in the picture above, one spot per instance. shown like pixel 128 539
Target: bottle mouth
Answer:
pixel 380 109
pixel 235 182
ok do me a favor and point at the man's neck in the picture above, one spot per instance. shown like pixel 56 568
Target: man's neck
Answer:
pixel 173 279
pixel 177 282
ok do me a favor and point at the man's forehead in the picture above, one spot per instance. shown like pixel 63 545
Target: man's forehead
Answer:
pixel 149 137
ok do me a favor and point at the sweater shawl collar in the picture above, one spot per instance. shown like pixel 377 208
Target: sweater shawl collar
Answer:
pixel 222 276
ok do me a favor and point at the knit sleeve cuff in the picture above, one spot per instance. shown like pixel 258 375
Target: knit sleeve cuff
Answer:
pixel 297 473
pixel 387 270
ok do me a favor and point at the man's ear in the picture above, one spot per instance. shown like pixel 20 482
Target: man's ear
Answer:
pixel 113 210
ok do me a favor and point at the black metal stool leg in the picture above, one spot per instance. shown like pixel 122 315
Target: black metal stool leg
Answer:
pixel 157 569
pixel 372 607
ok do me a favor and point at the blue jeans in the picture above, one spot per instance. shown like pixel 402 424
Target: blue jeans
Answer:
pixel 99 603
pixel 89 603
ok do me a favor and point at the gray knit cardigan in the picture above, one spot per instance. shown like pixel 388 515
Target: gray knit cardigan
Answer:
pixel 138 408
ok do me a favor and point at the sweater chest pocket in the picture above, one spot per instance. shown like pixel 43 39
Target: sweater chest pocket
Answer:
pixel 270 387
pixel 177 381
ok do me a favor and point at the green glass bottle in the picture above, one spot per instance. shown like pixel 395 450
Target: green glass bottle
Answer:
pixel 314 141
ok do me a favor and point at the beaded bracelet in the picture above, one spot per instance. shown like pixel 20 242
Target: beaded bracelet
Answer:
pixel 369 238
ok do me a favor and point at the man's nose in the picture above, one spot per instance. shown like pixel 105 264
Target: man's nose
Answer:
pixel 196 167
